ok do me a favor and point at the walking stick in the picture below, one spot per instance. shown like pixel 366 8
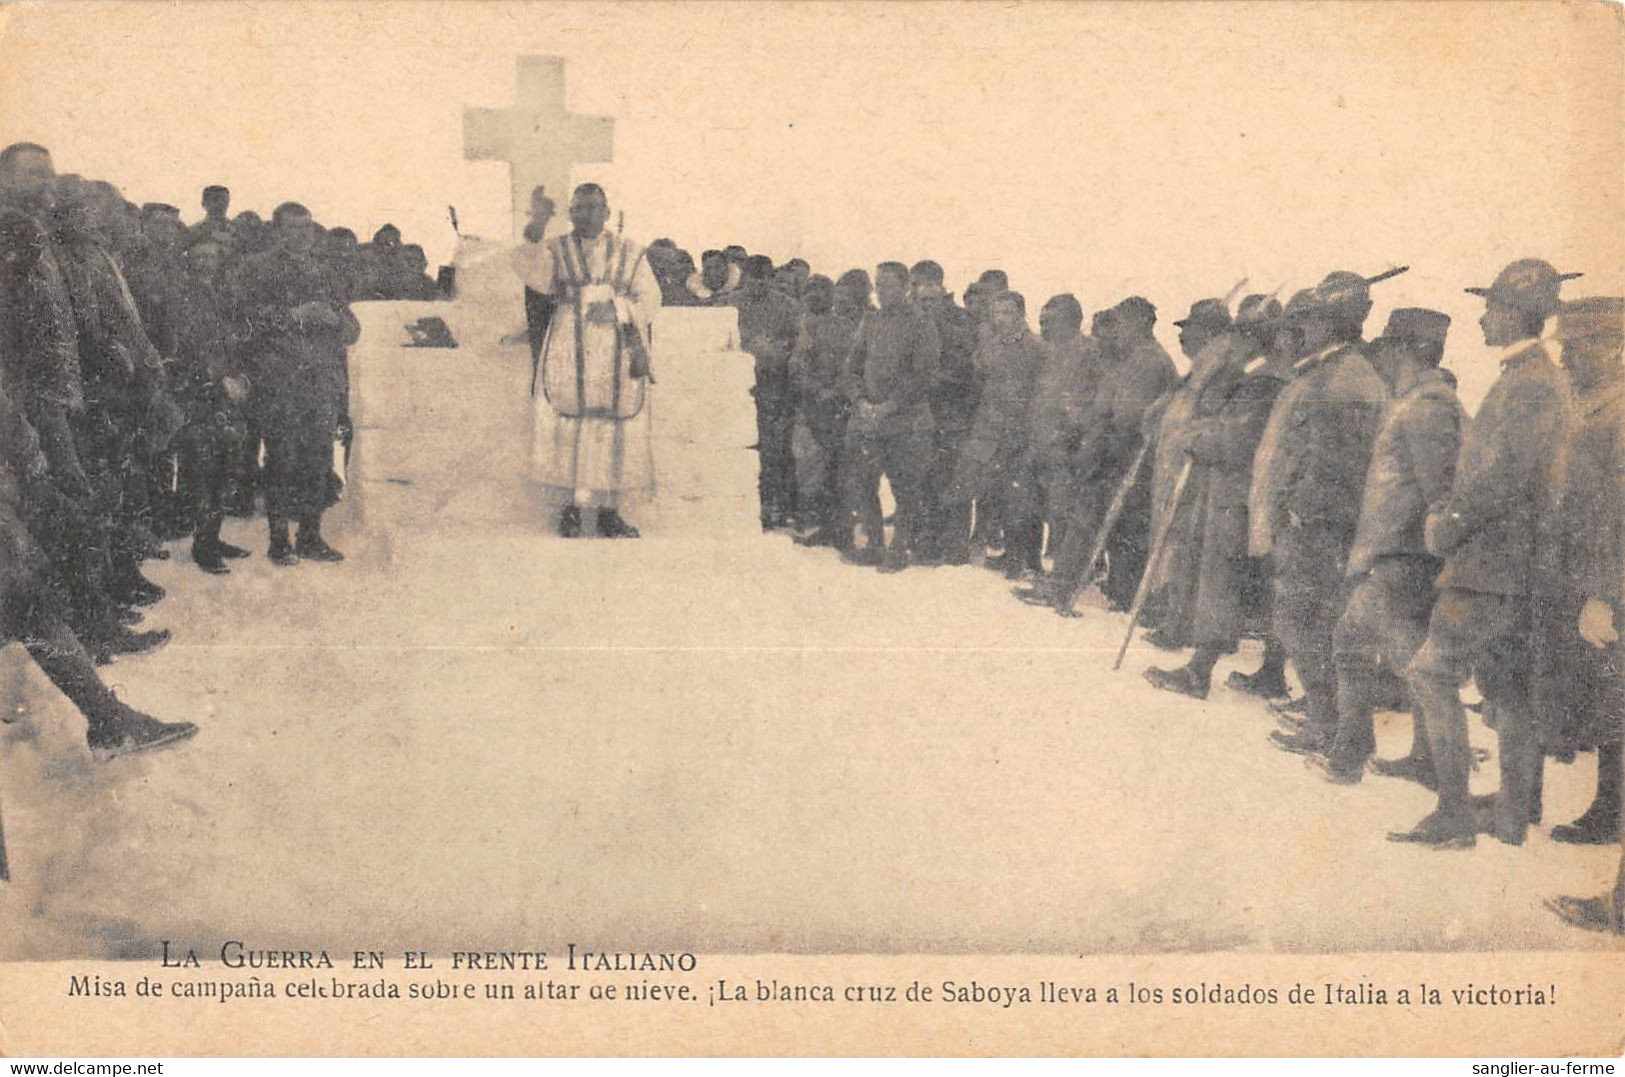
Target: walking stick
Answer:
pixel 1156 556
pixel 1113 511
pixel 5 870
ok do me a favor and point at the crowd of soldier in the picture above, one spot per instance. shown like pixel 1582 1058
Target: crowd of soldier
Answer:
pixel 1300 485
pixel 155 378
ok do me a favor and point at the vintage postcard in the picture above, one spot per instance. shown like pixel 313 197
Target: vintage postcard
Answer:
pixel 812 528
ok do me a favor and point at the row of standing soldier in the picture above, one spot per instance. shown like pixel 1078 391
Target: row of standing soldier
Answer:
pixel 144 368
pixel 1300 485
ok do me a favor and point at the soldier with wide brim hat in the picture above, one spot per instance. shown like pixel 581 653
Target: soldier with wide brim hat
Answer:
pixel 1210 313
pixel 1319 439
pixel 1492 533
pixel 1529 285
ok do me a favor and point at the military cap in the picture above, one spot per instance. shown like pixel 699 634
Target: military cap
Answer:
pixel 1207 312
pixel 927 270
pixel 1258 310
pixel 1597 316
pixel 1416 327
pixel 1343 295
pixel 1528 285
pixel 1138 306
pixel 1302 301
pixel 1065 304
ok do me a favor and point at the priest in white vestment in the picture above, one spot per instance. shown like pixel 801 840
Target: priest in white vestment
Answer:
pixel 590 434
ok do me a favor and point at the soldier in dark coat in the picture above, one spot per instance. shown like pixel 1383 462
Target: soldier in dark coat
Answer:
pixel 953 407
pixel 888 380
pixel 1062 393
pixel 1269 680
pixel 216 223
pixel 211 390
pixel 1228 589
pixel 295 324
pixel 152 268
pixel 1488 532
pixel 1390 573
pixel 70 509
pixel 1137 373
pixel 1580 673
pixel 33 610
pixel 1594 550
pixel 1205 339
pixel 1332 411
pixel 39 345
pixel 768 322
pixel 991 459
pixel 828 329
pixel 128 419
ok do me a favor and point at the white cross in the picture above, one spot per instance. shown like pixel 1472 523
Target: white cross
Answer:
pixel 538 137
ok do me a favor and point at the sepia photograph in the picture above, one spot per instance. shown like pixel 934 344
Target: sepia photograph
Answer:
pixel 845 528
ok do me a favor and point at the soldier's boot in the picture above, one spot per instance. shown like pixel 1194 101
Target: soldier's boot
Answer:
pixel 1044 592
pixel 206 553
pixel 1517 803
pixel 1318 733
pixel 1269 680
pixel 1592 914
pixel 894 561
pixel 951 522
pixel 1193 679
pixel 1024 548
pixel 824 536
pixel 1164 640
pixel 812 514
pixel 1180 680
pixel 131 731
pixel 1415 766
pixel 129 644
pixel 227 550
pixel 834 524
pixel 207 534
pixel 111 726
pixel 131 588
pixel 610 525
pixel 310 546
pixel 1599 824
pixel 1452 824
pixel 281 551
pixel 900 554
pixel 821 515
pixel 1355 740
pixel 1291 710
pixel 570 522
pixel 873 526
